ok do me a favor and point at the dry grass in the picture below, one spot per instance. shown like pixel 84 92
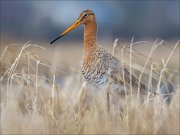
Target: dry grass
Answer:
pixel 39 93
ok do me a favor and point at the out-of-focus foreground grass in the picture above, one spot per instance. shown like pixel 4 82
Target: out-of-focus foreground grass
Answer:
pixel 39 94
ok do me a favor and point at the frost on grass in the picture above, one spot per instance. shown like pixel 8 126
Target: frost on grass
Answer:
pixel 37 98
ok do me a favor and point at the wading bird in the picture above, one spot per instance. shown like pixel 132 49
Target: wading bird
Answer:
pixel 99 67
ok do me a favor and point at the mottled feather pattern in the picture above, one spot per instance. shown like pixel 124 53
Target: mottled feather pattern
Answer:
pixel 98 66
pixel 92 67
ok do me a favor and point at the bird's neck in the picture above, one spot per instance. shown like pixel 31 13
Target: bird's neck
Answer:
pixel 90 37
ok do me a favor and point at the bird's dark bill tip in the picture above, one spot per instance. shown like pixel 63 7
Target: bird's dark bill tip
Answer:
pixel 51 42
pixel 55 39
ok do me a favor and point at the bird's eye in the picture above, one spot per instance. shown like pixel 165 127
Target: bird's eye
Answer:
pixel 85 15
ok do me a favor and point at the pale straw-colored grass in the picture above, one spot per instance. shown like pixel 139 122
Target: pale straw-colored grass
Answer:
pixel 36 98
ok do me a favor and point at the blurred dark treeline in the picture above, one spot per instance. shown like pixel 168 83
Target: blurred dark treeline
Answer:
pixel 42 20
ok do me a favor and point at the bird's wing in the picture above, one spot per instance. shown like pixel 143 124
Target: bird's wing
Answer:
pixel 114 68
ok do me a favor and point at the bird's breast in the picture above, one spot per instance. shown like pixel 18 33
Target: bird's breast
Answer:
pixel 92 69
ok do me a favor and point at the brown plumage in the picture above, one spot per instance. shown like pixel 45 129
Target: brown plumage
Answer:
pixel 98 65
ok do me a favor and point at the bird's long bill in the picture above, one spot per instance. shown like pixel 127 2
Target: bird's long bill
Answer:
pixel 75 25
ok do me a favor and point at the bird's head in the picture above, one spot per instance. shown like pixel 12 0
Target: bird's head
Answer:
pixel 86 16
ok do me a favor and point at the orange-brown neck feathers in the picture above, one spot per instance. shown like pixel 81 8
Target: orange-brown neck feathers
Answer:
pixel 90 36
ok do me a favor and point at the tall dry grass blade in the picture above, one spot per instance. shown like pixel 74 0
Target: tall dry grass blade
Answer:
pixel 164 66
pixel 130 65
pixel 155 45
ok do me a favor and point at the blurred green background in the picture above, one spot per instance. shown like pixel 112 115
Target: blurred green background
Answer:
pixel 41 21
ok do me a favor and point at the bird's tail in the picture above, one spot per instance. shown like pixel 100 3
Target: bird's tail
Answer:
pixel 134 82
